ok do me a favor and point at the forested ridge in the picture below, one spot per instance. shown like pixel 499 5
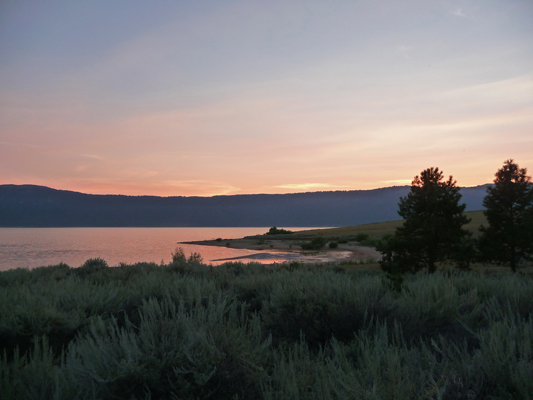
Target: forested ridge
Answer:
pixel 39 206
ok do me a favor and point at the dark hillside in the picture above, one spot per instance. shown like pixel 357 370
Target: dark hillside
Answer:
pixel 39 206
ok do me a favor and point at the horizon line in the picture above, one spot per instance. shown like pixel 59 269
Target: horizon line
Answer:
pixel 225 195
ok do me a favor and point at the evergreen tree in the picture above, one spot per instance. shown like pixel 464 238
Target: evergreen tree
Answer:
pixel 432 230
pixel 509 211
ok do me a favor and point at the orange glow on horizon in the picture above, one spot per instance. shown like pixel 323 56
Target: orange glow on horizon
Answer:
pixel 185 99
pixel 204 190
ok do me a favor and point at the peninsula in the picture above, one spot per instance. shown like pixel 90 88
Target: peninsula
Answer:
pixel 350 244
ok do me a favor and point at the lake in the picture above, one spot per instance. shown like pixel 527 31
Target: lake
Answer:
pixel 35 247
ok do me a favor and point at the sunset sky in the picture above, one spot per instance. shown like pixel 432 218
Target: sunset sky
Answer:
pixel 181 98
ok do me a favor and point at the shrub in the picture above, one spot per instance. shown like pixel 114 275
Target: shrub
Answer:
pixel 333 245
pixel 315 244
pixel 143 331
pixel 277 231
pixel 172 352
pixel 195 258
pixel 361 237
pixel 92 266
pixel 178 255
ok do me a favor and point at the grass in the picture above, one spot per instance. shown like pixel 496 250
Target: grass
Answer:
pixel 249 331
pixel 375 230
pixel 477 219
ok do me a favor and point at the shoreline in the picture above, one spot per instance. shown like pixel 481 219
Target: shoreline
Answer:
pixel 283 250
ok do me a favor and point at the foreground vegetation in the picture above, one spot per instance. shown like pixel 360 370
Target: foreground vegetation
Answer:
pixel 190 331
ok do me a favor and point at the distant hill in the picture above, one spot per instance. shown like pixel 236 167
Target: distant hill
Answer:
pixel 376 230
pixel 39 206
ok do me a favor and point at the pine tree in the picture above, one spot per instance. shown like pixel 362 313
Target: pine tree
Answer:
pixel 509 211
pixel 432 230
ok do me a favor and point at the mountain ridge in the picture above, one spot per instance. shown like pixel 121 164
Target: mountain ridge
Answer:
pixel 42 206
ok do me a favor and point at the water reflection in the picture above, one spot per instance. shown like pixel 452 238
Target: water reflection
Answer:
pixel 34 247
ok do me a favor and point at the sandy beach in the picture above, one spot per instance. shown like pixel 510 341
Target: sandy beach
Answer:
pixel 282 250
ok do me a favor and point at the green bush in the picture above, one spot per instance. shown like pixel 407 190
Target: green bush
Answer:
pixel 315 244
pixel 92 266
pixel 361 237
pixel 249 331
pixel 333 245
pixel 277 231
pixel 178 256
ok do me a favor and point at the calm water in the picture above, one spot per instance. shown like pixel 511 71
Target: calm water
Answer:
pixel 34 247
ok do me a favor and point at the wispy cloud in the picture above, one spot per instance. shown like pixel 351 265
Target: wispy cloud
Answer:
pixel 458 12
pixel 34 146
pixel 201 100
pixel 101 185
pixel 93 156
pixel 398 182
pixel 310 186
pixel 201 187
pixel 403 50
pixel 82 167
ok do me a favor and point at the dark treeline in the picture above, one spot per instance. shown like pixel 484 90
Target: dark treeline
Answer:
pixel 38 206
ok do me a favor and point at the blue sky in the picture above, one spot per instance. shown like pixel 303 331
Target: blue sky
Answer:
pixel 205 97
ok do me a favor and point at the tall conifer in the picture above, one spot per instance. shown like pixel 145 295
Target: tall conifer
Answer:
pixel 432 230
pixel 508 238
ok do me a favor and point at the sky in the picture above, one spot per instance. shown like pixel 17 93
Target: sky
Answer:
pixel 203 98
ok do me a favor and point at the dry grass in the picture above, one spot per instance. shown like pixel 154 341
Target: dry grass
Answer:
pixel 377 230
